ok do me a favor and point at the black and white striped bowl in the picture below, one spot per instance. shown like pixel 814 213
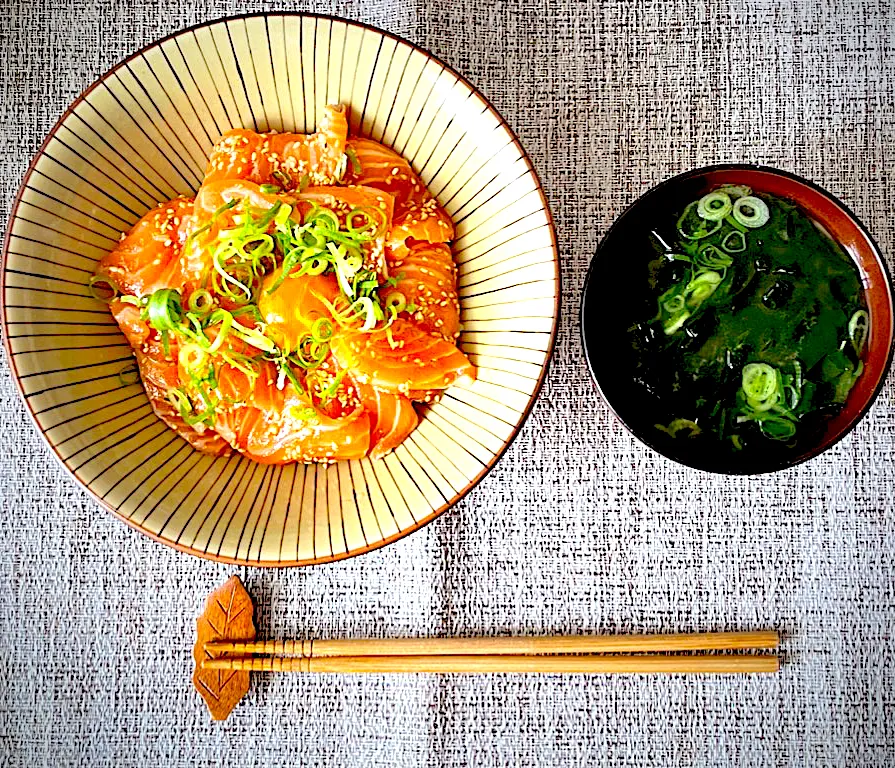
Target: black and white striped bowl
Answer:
pixel 140 135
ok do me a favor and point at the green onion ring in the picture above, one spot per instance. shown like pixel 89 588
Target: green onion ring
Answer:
pixel 731 247
pixel 859 330
pixel 200 302
pixel 761 385
pixel 129 375
pixel 752 212
pixel 396 301
pixel 322 330
pixel 164 310
pixel 700 233
pixel 714 206
pixel 98 285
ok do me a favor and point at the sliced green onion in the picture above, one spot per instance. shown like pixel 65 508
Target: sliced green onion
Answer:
pixel 761 385
pixel 369 223
pixel 858 330
pixel 253 337
pixel 129 375
pixel 242 363
pixel 734 241
pixel 365 305
pixel 752 212
pixel 284 178
pixel 226 279
pixel 271 189
pixel 320 215
pixel 103 288
pixel 328 392
pixel 322 330
pixel 352 158
pixel 225 207
pixel 164 310
pixel 710 257
pixel 179 399
pixel 310 353
pixel 287 372
pixel 200 302
pixel 714 206
pixel 194 360
pixel 679 425
pixel 777 427
pixel 701 287
pixel 306 413
pixel 304 182
pixel 225 319
pixel 700 231
pixel 396 302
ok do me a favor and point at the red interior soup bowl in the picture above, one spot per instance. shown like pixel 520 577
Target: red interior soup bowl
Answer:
pixel 617 295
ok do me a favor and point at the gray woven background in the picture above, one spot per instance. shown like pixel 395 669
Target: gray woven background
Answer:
pixel 578 528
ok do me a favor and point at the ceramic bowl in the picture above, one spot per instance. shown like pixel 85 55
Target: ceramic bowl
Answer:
pixel 141 134
pixel 625 250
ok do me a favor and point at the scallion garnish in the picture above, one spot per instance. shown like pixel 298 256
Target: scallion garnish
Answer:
pixel 103 288
pixel 752 212
pixel 352 158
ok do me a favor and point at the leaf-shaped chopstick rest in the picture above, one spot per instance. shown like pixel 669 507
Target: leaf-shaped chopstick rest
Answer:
pixel 227 616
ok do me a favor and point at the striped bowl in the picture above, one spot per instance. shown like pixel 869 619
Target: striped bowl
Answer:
pixel 140 135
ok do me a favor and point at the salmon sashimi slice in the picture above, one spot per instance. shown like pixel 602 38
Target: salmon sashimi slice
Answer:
pixel 428 222
pixel 159 374
pixel 293 308
pixel 427 278
pixel 403 359
pixel 283 158
pixel 417 214
pixel 148 257
pixel 392 418
pixel 294 430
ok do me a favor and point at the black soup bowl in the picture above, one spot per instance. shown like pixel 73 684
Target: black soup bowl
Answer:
pixel 617 295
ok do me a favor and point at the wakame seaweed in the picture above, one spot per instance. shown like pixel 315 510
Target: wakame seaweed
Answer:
pixel 758 327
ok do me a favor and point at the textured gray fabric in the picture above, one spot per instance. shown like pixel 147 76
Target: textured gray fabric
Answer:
pixel 579 527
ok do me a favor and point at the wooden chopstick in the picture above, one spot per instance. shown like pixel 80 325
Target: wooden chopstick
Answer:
pixel 481 664
pixel 492 646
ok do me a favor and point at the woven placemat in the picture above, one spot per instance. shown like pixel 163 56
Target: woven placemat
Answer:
pixel 579 527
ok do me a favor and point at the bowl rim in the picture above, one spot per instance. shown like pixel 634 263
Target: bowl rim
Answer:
pixel 13 213
pixel 731 166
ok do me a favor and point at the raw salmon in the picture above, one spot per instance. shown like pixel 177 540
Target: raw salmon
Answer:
pixel 344 398
pixel 148 257
pixel 404 359
pixel 392 418
pixel 159 374
pixel 292 309
pixel 279 426
pixel 427 278
pixel 283 158
pixel 417 214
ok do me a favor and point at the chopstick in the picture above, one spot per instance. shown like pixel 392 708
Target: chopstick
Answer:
pixel 492 646
pixel 595 654
pixel 482 664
